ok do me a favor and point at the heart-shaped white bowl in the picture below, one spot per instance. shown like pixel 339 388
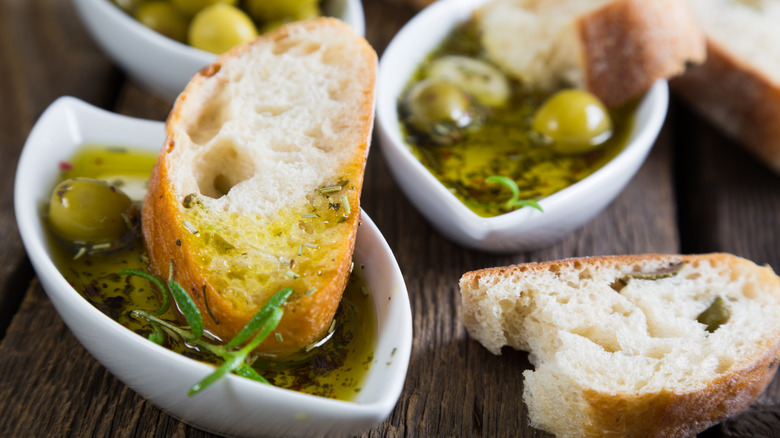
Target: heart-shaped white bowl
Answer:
pixel 233 406
pixel 521 230
pixel 161 65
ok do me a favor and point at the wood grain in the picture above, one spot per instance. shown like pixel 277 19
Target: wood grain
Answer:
pixel 697 192
pixel 45 54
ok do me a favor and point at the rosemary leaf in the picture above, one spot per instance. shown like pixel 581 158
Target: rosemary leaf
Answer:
pixel 514 201
pixel 329 189
pixel 508 183
pixel 186 305
pixel 231 362
pixel 188 309
pixel 345 203
pixel 528 203
pixel 247 371
pixel 156 281
pixel 270 325
pixel 156 335
pixel 260 318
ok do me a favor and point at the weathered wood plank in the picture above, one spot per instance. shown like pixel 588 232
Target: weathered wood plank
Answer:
pixel 729 202
pixel 45 54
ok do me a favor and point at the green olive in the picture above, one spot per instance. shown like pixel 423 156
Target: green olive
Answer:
pixel 715 315
pixel 163 18
pixel 485 83
pixel 192 7
pixel 575 120
pixel 439 109
pixel 268 11
pixel 88 212
pixel 219 27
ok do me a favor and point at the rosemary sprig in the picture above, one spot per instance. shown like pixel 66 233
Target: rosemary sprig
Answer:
pixel 514 201
pixel 258 328
pixel 260 317
pixel 186 305
pixel 234 359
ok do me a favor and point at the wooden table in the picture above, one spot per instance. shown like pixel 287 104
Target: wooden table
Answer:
pixel 697 192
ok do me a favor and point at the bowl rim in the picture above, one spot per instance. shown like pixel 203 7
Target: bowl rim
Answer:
pixel 354 16
pixel 27 210
pixel 108 7
pixel 451 12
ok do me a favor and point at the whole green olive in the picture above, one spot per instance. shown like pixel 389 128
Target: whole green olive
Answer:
pixel 439 109
pixel 268 11
pixel 163 18
pixel 575 120
pixel 87 212
pixel 192 7
pixel 219 27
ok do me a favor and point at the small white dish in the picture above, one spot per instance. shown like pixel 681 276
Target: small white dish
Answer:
pixel 233 406
pixel 521 230
pixel 161 65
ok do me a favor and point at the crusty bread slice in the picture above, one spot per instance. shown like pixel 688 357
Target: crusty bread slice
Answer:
pixel 616 342
pixel 614 48
pixel 738 88
pixel 257 186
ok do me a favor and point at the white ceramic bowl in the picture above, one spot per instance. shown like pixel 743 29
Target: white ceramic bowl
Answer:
pixel 161 65
pixel 233 406
pixel 521 230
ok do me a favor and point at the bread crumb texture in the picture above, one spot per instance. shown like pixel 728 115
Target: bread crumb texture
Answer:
pixel 535 40
pixel 615 49
pixel 616 345
pixel 273 124
pixel 747 28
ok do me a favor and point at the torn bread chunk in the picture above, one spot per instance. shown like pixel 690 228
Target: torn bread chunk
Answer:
pixel 615 49
pixel 644 345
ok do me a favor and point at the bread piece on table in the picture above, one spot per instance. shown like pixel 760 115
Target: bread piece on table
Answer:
pixel 738 88
pixel 618 353
pixel 236 199
pixel 616 49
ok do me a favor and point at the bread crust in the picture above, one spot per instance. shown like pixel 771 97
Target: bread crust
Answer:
pixel 628 45
pixel 740 100
pixel 670 411
pixel 682 414
pixel 307 317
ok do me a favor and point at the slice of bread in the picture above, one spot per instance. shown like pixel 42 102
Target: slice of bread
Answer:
pixel 738 88
pixel 258 184
pixel 616 49
pixel 617 345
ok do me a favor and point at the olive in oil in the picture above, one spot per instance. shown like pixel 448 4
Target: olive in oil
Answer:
pixel 503 143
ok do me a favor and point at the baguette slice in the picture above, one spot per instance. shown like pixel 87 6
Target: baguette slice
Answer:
pixel 738 88
pixel 616 49
pixel 618 353
pixel 235 200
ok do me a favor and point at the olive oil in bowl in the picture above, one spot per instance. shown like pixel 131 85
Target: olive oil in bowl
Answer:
pixel 472 123
pixel 334 368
